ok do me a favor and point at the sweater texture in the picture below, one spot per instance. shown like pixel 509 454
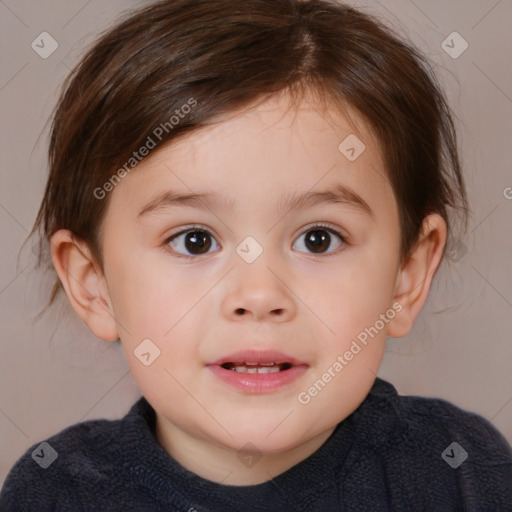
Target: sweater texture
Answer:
pixel 392 454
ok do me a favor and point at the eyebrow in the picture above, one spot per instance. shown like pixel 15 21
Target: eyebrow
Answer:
pixel 339 194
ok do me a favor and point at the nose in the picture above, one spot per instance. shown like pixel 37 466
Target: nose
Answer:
pixel 257 292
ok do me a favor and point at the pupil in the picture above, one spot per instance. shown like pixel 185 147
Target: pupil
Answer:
pixel 316 239
pixel 198 240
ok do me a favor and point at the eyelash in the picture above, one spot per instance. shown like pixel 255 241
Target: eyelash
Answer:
pixel 313 227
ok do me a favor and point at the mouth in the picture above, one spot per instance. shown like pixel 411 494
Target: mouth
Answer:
pixel 258 371
pixel 252 367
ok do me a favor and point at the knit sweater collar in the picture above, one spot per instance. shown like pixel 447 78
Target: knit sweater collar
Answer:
pixel 374 423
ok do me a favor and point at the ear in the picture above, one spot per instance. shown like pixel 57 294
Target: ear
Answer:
pixel 415 277
pixel 84 284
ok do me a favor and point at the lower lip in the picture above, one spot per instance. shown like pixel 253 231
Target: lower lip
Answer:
pixel 258 382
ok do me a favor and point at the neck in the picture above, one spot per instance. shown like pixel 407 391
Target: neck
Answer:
pixel 226 466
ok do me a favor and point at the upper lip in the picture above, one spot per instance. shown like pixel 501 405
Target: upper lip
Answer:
pixel 257 356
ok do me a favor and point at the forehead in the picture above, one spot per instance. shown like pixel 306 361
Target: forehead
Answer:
pixel 286 130
pixel 263 152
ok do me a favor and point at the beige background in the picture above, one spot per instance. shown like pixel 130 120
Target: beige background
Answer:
pixel 53 373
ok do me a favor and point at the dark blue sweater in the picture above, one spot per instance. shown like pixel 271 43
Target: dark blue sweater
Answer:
pixel 394 453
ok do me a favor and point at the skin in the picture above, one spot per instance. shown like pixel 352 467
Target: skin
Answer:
pixel 308 305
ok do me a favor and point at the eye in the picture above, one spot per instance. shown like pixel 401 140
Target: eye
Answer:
pixel 196 241
pixel 319 239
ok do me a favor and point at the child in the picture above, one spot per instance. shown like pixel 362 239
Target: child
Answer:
pixel 310 156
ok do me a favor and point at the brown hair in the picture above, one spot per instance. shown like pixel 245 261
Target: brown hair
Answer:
pixel 226 54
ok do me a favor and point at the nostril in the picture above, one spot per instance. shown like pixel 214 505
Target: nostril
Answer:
pixel 241 311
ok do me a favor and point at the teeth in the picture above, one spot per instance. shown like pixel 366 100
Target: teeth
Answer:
pixel 269 369
pixel 259 369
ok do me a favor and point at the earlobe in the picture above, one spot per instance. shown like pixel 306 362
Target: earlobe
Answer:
pixel 84 284
pixel 414 279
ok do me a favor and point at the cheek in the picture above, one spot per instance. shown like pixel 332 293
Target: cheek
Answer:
pixel 146 298
pixel 350 304
pixel 357 289
pixel 164 304
pixel 375 264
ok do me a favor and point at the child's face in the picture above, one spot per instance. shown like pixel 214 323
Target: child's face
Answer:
pixel 309 306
